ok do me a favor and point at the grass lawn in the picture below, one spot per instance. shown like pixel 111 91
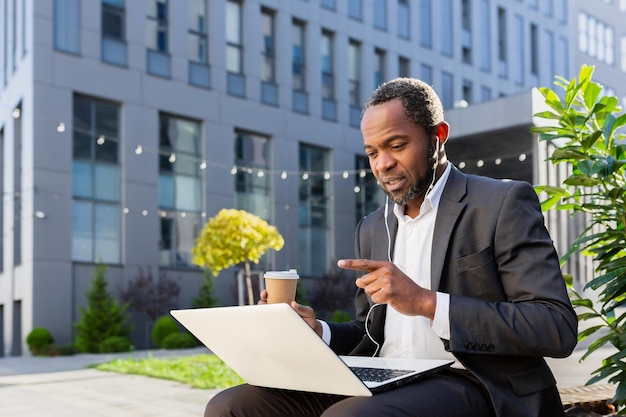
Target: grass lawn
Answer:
pixel 204 371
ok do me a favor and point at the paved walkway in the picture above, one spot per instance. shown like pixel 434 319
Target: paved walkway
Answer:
pixel 64 386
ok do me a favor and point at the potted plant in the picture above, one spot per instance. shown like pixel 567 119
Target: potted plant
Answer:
pixel 584 127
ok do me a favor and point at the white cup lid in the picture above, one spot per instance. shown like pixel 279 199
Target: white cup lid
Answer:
pixel 291 274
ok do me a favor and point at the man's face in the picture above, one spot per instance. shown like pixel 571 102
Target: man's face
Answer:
pixel 401 153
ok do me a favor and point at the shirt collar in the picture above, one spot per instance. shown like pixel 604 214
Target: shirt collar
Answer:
pixel 431 201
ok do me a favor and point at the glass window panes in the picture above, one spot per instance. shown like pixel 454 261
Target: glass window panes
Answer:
pixel 234 53
pixel 113 25
pixel 252 185
pixel 327 65
pixel 404 19
pixel 269 51
pixel 198 32
pixel 298 51
pixel 96 182
pixel 157 25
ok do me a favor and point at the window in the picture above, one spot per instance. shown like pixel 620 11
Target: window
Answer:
pixel 234 48
pixel 379 67
pixel 518 62
pixel 380 14
pixel 180 188
pixel 114 32
pixel 404 67
pixel 366 189
pixel 485 36
pixel 66 25
pixel 404 19
pixel 17 184
pixel 354 80
pixel 623 45
pixel 549 56
pixel 426 74
pixel 562 11
pixel 158 48
pixel 466 24
pixel 329 4
pixel 269 91
pixel 502 43
pixel 198 44
pixel 314 197
pixel 327 64
pixel 447 90
pixel 96 182
pixel 534 49
pixel 252 182
pixel 595 38
pixel 468 92
pixel 157 25
pixel 5 46
pixel 425 15
pixel 485 93
pixel 446 28
pixel 2 190
pixel 355 9
pixel 298 67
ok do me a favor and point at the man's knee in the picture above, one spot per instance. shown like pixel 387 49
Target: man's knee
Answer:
pixel 220 405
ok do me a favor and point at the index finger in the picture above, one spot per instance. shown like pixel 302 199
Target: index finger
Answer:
pixel 368 265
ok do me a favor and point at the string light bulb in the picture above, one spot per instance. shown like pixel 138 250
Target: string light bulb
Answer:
pixel 138 150
pixel 61 127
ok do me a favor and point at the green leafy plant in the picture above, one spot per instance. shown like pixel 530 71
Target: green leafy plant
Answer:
pixel 584 127
pixel 179 340
pixel 232 237
pixel 115 344
pixel 103 318
pixel 38 340
pixel 205 296
pixel 164 326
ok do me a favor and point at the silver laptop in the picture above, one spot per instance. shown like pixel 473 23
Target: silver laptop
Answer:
pixel 271 346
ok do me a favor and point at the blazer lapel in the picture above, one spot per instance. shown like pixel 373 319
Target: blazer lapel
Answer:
pixel 450 208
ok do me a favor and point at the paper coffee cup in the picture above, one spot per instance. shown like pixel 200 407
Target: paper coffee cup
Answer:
pixel 281 286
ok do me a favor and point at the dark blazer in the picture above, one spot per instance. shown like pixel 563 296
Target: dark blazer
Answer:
pixel 509 307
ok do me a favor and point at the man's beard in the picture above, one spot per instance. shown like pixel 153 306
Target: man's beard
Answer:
pixel 419 188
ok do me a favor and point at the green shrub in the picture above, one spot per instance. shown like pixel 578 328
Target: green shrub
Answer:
pixel 340 316
pixel 178 340
pixel 115 344
pixel 164 326
pixel 103 318
pixel 38 340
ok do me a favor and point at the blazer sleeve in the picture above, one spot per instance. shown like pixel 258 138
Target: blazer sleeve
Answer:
pixel 508 296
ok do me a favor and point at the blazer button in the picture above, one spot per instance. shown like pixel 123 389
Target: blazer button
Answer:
pixel 468 345
pixel 482 347
pixel 475 346
pixel 490 347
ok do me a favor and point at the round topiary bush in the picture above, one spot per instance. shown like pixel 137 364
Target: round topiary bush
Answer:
pixel 115 344
pixel 164 326
pixel 38 340
pixel 178 340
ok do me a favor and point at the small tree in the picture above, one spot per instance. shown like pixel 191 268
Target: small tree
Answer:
pixel 205 296
pixel 584 127
pixel 155 299
pixel 232 237
pixel 103 318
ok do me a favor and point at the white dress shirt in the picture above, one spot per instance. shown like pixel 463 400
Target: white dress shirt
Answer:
pixel 418 336
pixel 415 336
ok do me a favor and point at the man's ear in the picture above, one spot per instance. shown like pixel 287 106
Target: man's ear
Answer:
pixel 442 130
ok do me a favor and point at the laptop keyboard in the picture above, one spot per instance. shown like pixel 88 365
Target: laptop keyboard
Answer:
pixel 377 374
